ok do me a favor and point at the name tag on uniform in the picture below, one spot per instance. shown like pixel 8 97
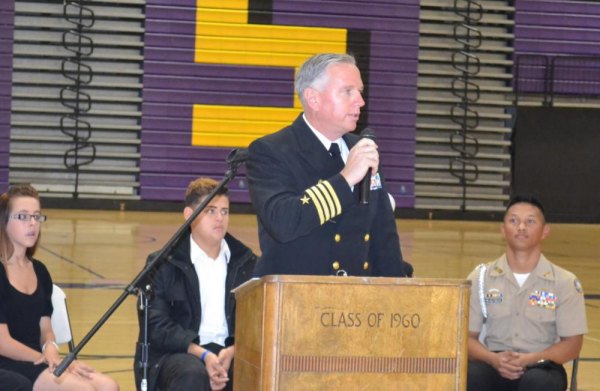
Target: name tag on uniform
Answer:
pixel 375 182
pixel 494 296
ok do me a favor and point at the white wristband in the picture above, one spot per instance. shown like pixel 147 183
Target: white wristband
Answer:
pixel 53 343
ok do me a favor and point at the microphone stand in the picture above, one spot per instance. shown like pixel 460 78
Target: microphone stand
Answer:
pixel 235 159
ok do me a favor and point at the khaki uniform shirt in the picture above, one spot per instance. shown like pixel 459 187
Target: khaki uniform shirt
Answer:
pixel 530 318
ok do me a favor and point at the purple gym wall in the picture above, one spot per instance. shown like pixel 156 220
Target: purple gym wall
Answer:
pixel 384 36
pixel 557 27
pixel 557 41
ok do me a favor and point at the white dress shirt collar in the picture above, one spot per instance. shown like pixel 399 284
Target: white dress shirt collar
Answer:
pixel 327 143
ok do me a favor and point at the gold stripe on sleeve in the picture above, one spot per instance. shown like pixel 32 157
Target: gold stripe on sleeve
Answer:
pixel 330 203
pixel 316 204
pixel 338 207
pixel 327 196
pixel 318 192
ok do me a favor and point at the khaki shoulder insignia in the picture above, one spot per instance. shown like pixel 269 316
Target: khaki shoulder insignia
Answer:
pixel 577 285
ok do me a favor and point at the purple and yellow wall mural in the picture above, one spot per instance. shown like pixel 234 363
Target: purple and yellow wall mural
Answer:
pixel 219 74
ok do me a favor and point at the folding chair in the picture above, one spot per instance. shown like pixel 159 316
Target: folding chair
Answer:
pixel 575 366
pixel 61 325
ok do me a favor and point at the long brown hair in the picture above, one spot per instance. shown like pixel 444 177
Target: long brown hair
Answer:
pixel 6 201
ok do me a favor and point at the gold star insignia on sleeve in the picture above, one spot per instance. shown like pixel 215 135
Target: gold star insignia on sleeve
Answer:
pixel 305 200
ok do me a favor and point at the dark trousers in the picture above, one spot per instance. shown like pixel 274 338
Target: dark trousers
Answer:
pixel 14 381
pixel 184 372
pixel 483 377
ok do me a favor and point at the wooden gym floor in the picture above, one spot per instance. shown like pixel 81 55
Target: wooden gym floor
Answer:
pixel 94 255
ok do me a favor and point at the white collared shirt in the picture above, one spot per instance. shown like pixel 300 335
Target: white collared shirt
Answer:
pixel 211 277
pixel 344 151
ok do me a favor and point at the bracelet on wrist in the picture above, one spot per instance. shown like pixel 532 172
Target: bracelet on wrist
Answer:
pixel 204 354
pixel 51 342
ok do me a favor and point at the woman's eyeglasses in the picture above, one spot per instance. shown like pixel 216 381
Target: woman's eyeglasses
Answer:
pixel 29 217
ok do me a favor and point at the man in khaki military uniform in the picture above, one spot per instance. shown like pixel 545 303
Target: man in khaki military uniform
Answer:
pixel 533 311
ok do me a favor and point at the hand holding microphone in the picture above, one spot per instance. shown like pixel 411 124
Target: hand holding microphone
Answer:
pixel 363 160
pixel 365 184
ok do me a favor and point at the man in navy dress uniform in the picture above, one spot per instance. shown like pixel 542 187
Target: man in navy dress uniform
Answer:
pixel 304 183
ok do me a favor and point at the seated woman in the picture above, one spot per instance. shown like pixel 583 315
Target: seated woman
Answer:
pixel 26 338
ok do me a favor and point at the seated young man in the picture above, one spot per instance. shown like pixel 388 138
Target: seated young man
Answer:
pixel 191 309
pixel 532 309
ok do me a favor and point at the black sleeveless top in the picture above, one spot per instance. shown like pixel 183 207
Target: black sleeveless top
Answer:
pixel 22 312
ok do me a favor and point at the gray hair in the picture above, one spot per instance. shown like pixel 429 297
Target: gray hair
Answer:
pixel 313 72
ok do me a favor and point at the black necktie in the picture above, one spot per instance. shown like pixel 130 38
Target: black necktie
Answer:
pixel 334 151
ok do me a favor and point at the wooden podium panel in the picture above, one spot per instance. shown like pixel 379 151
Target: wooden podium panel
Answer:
pixel 351 333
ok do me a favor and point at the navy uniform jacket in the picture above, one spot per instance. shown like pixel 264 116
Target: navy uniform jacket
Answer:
pixel 310 221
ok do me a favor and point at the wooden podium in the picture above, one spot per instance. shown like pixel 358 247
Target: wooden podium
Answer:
pixel 351 333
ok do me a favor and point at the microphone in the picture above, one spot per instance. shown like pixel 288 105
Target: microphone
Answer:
pixel 365 184
pixel 237 156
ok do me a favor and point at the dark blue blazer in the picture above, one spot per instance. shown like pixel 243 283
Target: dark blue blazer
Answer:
pixel 310 221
